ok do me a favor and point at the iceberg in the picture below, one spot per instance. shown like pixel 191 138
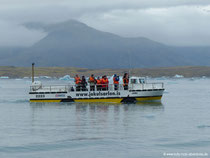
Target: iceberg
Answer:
pixel 178 76
pixel 4 77
pixel 66 78
pixel 44 77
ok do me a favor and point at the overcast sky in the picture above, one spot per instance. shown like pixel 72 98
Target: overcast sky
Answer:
pixel 173 22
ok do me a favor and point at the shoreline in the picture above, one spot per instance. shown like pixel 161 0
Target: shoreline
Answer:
pixel 185 71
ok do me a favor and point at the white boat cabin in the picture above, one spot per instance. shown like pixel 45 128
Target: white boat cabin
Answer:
pixel 135 83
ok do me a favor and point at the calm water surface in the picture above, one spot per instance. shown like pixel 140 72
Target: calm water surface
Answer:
pixel 180 123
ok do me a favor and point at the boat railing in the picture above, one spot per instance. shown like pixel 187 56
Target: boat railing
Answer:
pixel 98 87
pixel 146 86
pixel 49 88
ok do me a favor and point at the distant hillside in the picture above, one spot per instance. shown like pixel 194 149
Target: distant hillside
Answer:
pixel 75 44
pixel 186 71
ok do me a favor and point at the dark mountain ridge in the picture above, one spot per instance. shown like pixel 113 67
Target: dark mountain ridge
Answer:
pixel 73 43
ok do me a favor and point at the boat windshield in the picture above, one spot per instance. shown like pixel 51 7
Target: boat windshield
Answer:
pixel 133 81
pixel 141 80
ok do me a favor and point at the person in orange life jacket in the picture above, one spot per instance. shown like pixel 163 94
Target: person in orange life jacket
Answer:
pixel 92 82
pixel 125 81
pixel 77 81
pixel 98 84
pixel 107 83
pixel 83 83
pixel 104 82
pixel 116 81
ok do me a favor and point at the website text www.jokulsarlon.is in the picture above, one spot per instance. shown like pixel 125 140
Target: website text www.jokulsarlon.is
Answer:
pixel 92 94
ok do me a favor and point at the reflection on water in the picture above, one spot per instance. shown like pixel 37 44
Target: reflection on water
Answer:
pixel 147 129
pixel 100 107
pixel 94 115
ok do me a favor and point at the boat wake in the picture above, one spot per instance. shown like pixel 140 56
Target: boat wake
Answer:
pixel 203 126
pixel 51 146
pixel 14 101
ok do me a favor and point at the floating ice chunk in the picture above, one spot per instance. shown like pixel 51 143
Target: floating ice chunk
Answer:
pixel 44 77
pixel 66 78
pixel 192 79
pixel 4 77
pixel 178 76
pixel 18 79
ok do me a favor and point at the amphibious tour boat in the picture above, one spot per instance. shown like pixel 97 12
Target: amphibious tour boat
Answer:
pixel 138 90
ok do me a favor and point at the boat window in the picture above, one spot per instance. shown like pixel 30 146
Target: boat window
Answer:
pixel 133 81
pixel 141 81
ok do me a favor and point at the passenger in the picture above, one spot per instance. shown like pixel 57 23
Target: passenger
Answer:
pixel 116 81
pixel 83 84
pixel 125 81
pixel 98 84
pixel 102 83
pixel 77 81
pixel 92 82
pixel 105 83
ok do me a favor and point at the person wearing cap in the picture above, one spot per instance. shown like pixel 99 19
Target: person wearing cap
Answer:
pixel 98 84
pixel 116 81
pixel 77 81
pixel 125 81
pixel 92 81
pixel 105 83
pixel 83 83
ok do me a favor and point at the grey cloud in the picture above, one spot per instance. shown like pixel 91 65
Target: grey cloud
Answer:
pixel 16 35
pixel 175 22
pixel 174 26
pixel 41 10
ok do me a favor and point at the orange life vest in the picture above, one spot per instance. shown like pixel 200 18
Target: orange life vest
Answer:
pixel 92 79
pixel 115 81
pixel 104 82
pixel 125 81
pixel 98 81
pixel 77 80
pixel 101 80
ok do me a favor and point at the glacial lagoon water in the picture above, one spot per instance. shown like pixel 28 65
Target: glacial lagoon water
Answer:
pixel 180 123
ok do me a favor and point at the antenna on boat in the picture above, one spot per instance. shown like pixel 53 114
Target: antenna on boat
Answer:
pixel 129 60
pixel 33 72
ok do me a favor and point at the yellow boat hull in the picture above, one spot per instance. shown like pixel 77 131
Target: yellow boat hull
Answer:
pixel 102 100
